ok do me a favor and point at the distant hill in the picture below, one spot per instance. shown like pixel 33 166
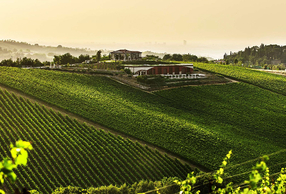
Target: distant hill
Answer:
pixel 14 49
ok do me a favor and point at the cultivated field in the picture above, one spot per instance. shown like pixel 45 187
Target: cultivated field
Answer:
pixel 273 82
pixel 69 153
pixel 200 124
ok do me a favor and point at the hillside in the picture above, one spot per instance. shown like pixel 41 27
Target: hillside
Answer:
pixel 69 153
pixel 262 55
pixel 198 123
pixel 13 49
pixel 268 81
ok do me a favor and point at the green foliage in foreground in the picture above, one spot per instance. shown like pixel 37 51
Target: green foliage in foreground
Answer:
pixel 260 181
pixel 139 187
pixel 69 153
pixel 19 157
pixel 275 83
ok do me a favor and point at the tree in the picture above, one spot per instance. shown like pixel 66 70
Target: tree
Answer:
pixel 57 60
pixel 67 58
pixel 8 62
pixel 82 58
pixel 98 55
pixel 224 56
pixel 189 57
pixel 151 58
pixel 177 57
pixel 167 57
pixel 203 60
pixel 27 62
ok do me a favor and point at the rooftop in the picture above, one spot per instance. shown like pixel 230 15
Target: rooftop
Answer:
pixel 125 51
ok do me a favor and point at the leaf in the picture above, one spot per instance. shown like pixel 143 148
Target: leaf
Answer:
pixel 8 165
pixel 2 192
pixel 213 187
pixel 19 144
pixel 219 180
pixel 229 154
pixel 21 160
pixel 2 177
pixel 27 145
pixel 14 153
pixel 224 163
pixel 12 176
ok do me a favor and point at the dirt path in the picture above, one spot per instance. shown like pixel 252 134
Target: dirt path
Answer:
pixel 96 125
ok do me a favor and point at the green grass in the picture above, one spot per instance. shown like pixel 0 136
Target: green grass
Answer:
pixel 198 123
pixel 69 153
pixel 272 82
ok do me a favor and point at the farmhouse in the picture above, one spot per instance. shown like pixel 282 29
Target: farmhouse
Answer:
pixel 172 71
pixel 125 55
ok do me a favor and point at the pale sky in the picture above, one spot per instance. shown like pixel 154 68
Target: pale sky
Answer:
pixel 210 27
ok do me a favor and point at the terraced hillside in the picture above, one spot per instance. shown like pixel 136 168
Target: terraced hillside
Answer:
pixel 69 153
pixel 201 124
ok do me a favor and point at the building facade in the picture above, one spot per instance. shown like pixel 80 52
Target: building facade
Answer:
pixel 182 70
pixel 125 55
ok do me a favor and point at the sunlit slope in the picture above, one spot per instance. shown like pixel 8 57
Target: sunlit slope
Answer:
pixel 275 83
pixel 244 114
pixel 68 153
pixel 187 124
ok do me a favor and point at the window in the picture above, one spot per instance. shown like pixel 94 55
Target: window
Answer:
pixel 159 70
pixel 165 70
pixel 177 70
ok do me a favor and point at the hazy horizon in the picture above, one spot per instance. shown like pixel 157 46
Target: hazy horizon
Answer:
pixel 205 28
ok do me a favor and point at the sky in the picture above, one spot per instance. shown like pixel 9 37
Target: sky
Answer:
pixel 202 27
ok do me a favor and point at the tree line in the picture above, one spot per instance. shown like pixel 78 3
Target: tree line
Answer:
pixel 184 57
pixel 264 54
pixel 68 58
pixel 58 60
pixel 24 62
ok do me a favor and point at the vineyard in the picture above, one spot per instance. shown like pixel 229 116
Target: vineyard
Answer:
pixel 69 153
pixel 272 82
pixel 245 115
pixel 200 124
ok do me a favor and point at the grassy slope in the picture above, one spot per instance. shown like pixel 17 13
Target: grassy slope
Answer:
pixel 68 153
pixel 201 126
pixel 275 83
pixel 250 119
